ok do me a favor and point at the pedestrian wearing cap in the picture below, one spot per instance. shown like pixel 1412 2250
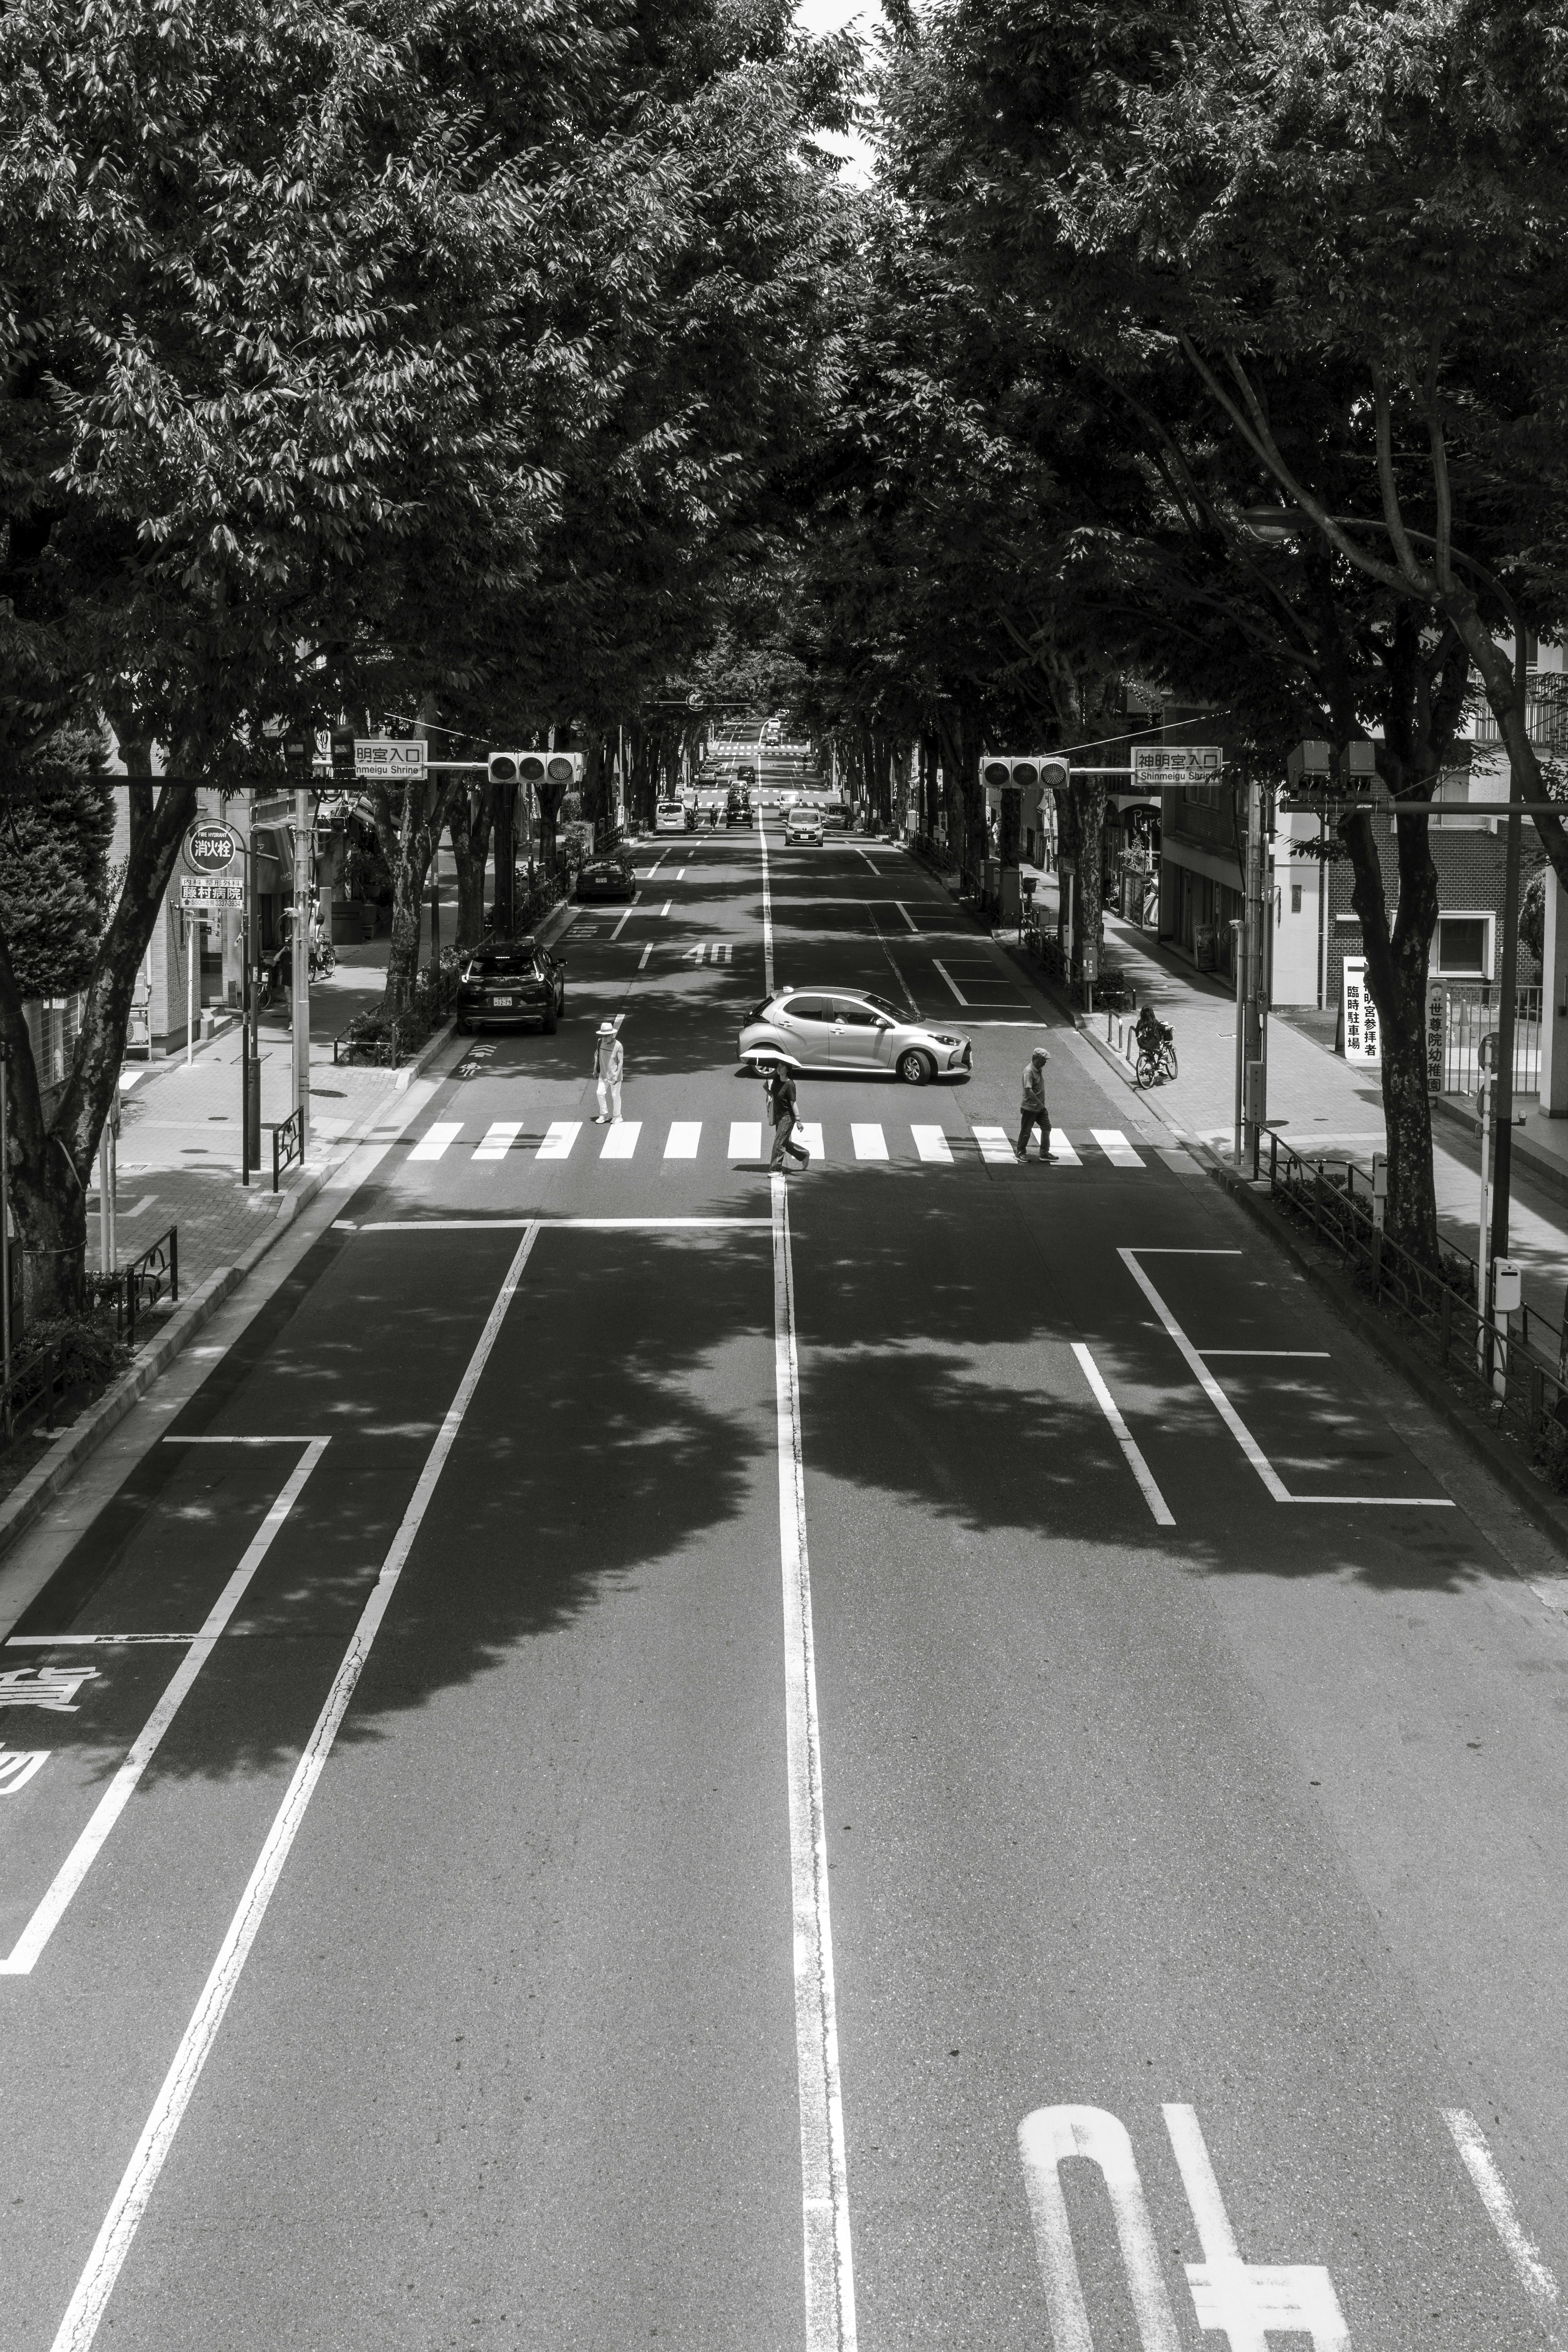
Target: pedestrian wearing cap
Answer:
pixel 1032 1111
pixel 609 1062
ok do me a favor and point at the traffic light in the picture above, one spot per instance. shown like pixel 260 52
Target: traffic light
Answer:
pixel 535 767
pixel 1024 771
pixel 298 754
pixel 343 740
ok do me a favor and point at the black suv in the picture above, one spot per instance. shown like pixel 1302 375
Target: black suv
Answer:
pixel 738 807
pixel 511 981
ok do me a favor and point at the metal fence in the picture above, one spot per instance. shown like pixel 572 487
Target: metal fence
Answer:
pixel 140 1283
pixel 1461 1014
pixel 1514 1370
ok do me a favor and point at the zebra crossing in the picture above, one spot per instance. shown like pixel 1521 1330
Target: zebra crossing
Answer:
pixel 865 1143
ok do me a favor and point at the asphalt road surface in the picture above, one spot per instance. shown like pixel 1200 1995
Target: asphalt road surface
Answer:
pixel 928 1756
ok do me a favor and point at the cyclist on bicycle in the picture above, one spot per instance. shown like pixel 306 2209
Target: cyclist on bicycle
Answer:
pixel 1151 1030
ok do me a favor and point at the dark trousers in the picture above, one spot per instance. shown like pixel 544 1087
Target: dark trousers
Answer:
pixel 783 1131
pixel 1028 1121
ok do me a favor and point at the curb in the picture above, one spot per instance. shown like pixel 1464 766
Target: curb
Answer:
pixel 1548 1511
pixel 408 1072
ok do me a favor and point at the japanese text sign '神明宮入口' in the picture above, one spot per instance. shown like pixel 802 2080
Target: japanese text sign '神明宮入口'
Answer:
pixel 1158 765
pixel 391 762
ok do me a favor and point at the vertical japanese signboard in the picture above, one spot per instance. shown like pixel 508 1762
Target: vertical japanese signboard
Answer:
pixel 1363 1043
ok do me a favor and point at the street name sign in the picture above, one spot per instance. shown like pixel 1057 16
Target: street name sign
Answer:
pixel 1157 766
pixel 390 763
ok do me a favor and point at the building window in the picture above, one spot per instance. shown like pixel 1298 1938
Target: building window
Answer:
pixel 1295 898
pixel 1464 946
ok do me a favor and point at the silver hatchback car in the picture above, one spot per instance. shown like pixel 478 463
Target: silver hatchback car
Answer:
pixel 844 1029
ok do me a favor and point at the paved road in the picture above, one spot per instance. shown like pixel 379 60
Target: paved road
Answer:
pixel 658 1755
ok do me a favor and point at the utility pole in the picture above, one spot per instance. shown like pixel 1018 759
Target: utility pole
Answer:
pixel 304 843
pixel 1502 1077
pixel 1254 1011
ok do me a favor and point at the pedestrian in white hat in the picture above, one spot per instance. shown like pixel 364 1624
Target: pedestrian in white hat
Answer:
pixel 609 1062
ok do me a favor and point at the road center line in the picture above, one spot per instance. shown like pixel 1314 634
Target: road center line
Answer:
pixel 1164 1517
pixel 950 979
pixel 626 919
pixel 767 912
pixel 825 2186
pixel 23 1955
pixel 1532 2273
pixel 870 906
pixel 97 2282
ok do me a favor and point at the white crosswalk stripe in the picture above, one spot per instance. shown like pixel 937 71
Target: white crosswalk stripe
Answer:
pixel 500 1137
pixel 1116 1148
pixel 437 1140
pixel 869 1143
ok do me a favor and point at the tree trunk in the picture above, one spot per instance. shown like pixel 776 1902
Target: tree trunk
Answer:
pixel 409 825
pixel 1396 976
pixel 551 796
pixel 469 823
pixel 49 1167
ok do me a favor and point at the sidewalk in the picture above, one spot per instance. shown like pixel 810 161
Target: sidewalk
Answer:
pixel 1320 1104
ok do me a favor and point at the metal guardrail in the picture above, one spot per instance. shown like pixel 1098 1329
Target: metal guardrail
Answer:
pixel 350 1048
pixel 1469 1012
pixel 288 1143
pixel 140 1283
pixel 1514 1368
pixel 34 1393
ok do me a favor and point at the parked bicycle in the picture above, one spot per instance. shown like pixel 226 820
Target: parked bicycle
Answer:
pixel 1156 1051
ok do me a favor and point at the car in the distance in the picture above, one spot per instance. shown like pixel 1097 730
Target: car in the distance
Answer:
pixel 851 1030
pixel 610 877
pixel 802 824
pixel 507 982
pixel 738 806
pixel 674 816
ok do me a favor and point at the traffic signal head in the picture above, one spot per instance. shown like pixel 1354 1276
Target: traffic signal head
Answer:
pixel 343 740
pixel 536 767
pixel 1025 772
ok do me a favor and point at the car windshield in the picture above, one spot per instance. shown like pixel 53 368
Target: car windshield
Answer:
pixel 501 964
pixel 882 1005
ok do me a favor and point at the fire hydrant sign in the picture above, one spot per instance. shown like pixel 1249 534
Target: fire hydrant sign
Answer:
pixel 1363 1043
pixel 212 857
pixel 390 763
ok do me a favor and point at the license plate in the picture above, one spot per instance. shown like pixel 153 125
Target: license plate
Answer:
pixel 503 1002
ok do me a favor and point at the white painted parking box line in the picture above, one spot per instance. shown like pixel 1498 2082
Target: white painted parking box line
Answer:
pixel 952 984
pixel 24 1953
pixel 1164 1517
pixel 1233 1420
pixel 95 2285
pixel 825 2186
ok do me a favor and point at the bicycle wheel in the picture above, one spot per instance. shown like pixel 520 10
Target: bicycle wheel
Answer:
pixel 1144 1070
pixel 1168 1061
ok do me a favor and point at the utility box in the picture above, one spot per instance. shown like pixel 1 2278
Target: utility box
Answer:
pixel 1507 1285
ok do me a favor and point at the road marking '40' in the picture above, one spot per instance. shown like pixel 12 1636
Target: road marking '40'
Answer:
pixel 708 951
pixel 1244 2301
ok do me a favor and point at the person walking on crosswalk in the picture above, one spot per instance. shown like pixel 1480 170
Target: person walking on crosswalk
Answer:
pixel 609 1062
pixel 781 1093
pixel 1032 1111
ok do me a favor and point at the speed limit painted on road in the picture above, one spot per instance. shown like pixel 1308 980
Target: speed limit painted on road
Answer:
pixel 212 846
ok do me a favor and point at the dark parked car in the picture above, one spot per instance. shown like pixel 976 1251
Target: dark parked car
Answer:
pixel 738 806
pixel 512 982
pixel 607 877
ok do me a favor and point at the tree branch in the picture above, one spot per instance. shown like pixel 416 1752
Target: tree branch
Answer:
pixel 1388 487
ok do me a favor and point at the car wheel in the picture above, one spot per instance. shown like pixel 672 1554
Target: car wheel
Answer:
pixel 914 1068
pixel 465 1028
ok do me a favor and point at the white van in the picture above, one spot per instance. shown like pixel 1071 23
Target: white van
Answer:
pixel 669 816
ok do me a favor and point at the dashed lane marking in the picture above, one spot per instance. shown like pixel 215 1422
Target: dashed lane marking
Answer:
pixel 558 1138
pixel 1164 1517
pixel 745 1140
pixel 1062 1153
pixel 869 1143
pixel 684 1137
pixel 622 1140
pixel 1539 2286
pixel 1116 1148
pixel 995 1145
pixel 498 1138
pixel 932 1145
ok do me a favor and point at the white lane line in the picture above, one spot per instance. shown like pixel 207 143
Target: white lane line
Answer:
pixel 888 957
pixel 23 1954
pixel 1116 1148
pixel 824 2180
pixel 808 1135
pixel 860 853
pixel 95 2285
pixel 515 1225
pixel 75 1641
pixel 626 919
pixel 1315 1354
pixel 1228 1414
pixel 645 955
pixel 559 1137
pixel 767 913
pixel 1164 1517
pixel 932 1144
pixel 438 1138
pixel 1534 2276
pixel 683 1139
pixel 1062 1153
pixel 680 877
pixel 996 1145
pixel 906 914
pixel 950 979
pixel 498 1138
pixel 622 1140
pixel 667 906
pixel 745 1140
pixel 657 862
pixel 871 1143
pixel 289 1438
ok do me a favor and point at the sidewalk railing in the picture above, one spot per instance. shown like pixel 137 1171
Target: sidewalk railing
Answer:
pixel 379 1050
pixel 134 1287
pixel 34 1393
pixel 1470 1012
pixel 1515 1368
pixel 288 1143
